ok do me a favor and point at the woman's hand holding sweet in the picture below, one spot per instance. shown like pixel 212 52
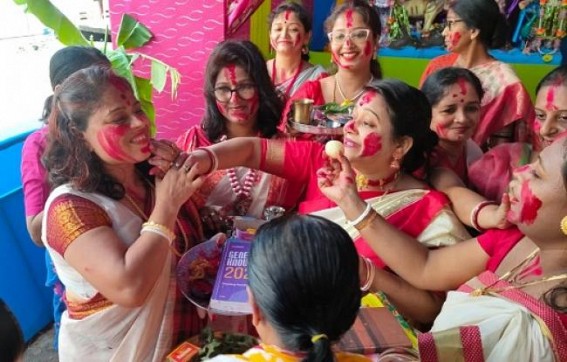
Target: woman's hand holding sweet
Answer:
pixel 336 181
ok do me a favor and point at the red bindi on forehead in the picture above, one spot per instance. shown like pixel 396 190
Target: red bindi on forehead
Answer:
pixel 230 73
pixel 462 82
pixel 348 17
pixel 287 14
pixel 366 98
pixel 550 98
pixel 126 99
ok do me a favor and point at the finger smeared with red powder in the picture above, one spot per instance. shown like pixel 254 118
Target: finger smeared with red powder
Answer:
pixel 109 138
pixel 371 145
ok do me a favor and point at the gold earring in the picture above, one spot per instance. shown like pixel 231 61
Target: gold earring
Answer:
pixel 563 225
pixel 395 164
pixel 305 49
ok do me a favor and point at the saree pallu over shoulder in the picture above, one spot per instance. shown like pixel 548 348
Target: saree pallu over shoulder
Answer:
pixel 506 326
pixel 114 333
pixel 422 214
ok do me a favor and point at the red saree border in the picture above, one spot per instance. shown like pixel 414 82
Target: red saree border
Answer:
pixel 537 308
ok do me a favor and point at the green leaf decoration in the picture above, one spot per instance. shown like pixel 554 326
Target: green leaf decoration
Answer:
pixel 122 65
pixel 159 75
pixel 50 16
pixel 144 90
pixel 132 34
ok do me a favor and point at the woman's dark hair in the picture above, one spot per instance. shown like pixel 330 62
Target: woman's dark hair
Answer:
pixel 370 16
pixel 246 55
pixel 303 274
pixel 557 76
pixel 68 157
pixel 11 338
pixel 410 114
pixel 67 61
pixel 301 14
pixel 485 16
pixel 436 85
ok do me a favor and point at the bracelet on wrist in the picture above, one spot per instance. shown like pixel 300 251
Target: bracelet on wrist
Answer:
pixel 361 217
pixel 370 273
pixel 212 158
pixel 158 229
pixel 476 211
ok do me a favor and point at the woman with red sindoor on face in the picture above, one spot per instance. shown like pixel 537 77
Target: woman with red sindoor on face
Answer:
pixel 353 30
pixel 388 138
pixel 472 27
pixel 290 33
pixel 240 102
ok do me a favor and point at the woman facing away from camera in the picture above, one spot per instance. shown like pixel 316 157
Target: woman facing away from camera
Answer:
pixel 353 30
pixel 472 27
pixel 290 33
pixel 304 290
pixel 113 232
pixel 240 102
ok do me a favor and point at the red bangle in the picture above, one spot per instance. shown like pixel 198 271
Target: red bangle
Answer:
pixel 212 158
pixel 476 212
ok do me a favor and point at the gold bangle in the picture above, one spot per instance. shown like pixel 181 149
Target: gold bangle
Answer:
pixel 160 229
pixel 366 221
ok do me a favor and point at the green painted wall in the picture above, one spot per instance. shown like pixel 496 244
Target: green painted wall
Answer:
pixel 409 69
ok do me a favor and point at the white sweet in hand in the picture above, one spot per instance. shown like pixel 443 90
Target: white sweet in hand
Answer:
pixel 334 148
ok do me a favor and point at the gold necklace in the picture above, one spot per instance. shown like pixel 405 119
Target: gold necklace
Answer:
pixel 349 101
pixel 145 217
pixel 511 275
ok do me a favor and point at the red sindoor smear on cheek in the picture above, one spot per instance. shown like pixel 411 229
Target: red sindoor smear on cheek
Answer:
pixel 231 69
pixel 367 49
pixel 222 107
pixel 455 39
pixel 348 16
pixel 530 205
pixel 109 138
pixel 372 144
pixel 440 130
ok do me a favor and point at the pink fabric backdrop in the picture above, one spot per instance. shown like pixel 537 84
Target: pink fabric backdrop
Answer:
pixel 185 32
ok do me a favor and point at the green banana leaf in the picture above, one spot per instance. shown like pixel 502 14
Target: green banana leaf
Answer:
pixel 132 34
pixel 50 16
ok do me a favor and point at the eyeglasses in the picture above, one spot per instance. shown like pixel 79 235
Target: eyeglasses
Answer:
pixel 449 23
pixel 245 91
pixel 357 36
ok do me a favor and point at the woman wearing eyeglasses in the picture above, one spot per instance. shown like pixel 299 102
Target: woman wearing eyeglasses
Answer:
pixel 240 101
pixel 290 33
pixel 354 30
pixel 472 27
